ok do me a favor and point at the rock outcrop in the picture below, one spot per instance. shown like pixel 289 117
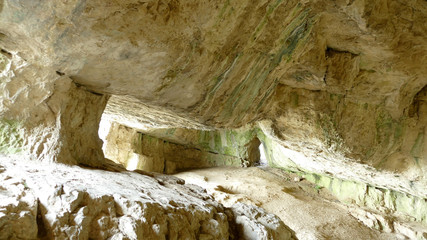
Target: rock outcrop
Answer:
pixel 61 202
pixel 47 115
pixel 255 223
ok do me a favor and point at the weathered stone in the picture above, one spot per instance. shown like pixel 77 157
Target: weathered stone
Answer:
pixel 254 223
pixel 309 210
pixel 48 116
pixel 73 137
pixel 404 206
pixel 18 209
pixel 39 200
pixel 175 149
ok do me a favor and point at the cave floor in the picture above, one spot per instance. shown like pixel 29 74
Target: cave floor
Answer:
pixel 312 213
pixel 62 193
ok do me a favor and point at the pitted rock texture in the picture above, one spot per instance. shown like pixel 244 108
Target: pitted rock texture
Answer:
pixel 344 91
pixel 46 115
pixel 18 209
pixel 56 201
pixel 254 223
pixel 76 203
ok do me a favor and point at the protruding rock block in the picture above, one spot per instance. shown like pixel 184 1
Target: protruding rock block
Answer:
pixel 73 137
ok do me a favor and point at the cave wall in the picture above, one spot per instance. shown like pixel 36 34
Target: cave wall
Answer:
pixel 387 195
pixel 346 83
pixel 46 115
pixel 339 134
pixel 174 150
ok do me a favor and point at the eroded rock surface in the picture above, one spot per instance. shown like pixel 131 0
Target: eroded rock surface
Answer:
pixel 76 203
pixel 60 202
pixel 46 115
pixel 254 223
pixel 173 150
pixel 18 209
pixel 310 210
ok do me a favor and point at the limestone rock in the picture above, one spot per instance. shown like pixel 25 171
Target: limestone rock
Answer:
pixel 54 201
pixel 48 116
pixel 72 137
pixel 76 203
pixel 210 66
pixel 310 210
pixel 172 150
pixel 254 223
pixel 18 210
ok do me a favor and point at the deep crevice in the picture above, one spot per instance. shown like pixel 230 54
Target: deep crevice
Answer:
pixel 329 52
pixel 414 108
pixel 6 53
pixel 41 228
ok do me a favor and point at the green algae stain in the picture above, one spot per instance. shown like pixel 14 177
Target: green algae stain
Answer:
pixel 417 148
pixel 217 140
pixel 398 131
pixel 361 194
pixel 224 9
pixel 225 142
pixel 383 124
pixel 267 93
pixel 264 21
pixel 288 48
pixel 219 80
pixel 170 131
pixel 11 136
pixel 264 65
pixel 246 92
pixel 216 148
pixel 386 201
pixel 294 99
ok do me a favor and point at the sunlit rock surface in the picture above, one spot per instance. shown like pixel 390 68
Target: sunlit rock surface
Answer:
pixel 312 211
pixel 47 115
pixel 61 202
